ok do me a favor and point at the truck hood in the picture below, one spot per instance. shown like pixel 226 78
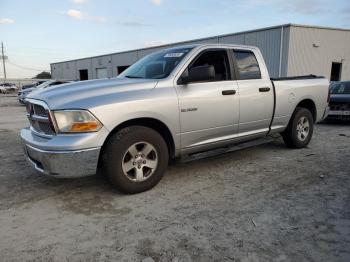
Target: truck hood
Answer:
pixel 87 94
pixel 340 98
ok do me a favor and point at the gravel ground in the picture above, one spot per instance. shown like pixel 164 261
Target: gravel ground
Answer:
pixel 266 203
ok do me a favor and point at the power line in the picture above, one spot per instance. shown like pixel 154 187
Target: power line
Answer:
pixel 27 68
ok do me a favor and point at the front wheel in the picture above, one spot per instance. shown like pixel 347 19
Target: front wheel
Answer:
pixel 300 129
pixel 135 159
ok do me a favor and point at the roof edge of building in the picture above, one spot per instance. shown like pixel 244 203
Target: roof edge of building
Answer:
pixel 319 27
pixel 204 38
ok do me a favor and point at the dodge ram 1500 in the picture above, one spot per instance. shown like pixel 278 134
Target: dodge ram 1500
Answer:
pixel 175 102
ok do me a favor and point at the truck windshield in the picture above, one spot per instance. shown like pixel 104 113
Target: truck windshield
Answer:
pixel 158 65
pixel 340 88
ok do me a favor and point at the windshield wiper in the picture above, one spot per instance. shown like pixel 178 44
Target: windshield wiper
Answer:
pixel 133 76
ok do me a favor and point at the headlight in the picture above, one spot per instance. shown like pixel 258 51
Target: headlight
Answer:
pixel 76 121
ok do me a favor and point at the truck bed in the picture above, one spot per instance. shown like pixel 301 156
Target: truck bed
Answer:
pixel 289 91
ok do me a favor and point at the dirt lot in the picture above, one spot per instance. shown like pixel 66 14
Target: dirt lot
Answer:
pixel 267 203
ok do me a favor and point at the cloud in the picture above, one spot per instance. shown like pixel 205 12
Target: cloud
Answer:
pixel 157 2
pixel 78 15
pixel 133 24
pixel 79 1
pixel 4 21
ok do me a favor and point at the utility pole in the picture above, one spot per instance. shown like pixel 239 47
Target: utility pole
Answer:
pixel 3 59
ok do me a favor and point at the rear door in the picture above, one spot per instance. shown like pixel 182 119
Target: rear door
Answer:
pixel 209 109
pixel 255 93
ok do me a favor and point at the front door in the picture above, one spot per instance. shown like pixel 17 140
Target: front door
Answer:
pixel 208 109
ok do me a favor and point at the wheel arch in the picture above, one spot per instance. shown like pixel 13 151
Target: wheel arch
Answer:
pixel 152 123
pixel 310 105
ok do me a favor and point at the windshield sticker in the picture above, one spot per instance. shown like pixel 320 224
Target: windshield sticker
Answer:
pixel 174 55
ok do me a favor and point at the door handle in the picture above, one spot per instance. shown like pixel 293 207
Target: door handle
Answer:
pixel 228 92
pixel 264 89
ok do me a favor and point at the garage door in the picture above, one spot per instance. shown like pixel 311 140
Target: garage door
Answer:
pixel 101 73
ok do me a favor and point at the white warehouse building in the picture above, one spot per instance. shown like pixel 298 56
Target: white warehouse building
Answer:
pixel 289 50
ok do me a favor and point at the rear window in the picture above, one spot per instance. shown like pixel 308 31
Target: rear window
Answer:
pixel 248 66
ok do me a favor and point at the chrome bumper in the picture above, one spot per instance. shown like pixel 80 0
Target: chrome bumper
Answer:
pixel 62 163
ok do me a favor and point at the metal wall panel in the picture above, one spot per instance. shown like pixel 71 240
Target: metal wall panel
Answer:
pixel 210 40
pixel 312 51
pixel 285 51
pixel 56 70
pixel 69 71
pixel 232 39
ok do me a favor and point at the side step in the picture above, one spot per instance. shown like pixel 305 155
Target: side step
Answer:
pixel 231 148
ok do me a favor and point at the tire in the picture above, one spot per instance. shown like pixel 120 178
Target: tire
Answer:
pixel 297 135
pixel 142 151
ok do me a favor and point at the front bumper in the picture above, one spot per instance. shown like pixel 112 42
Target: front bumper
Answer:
pixel 339 115
pixel 67 164
pixel 60 163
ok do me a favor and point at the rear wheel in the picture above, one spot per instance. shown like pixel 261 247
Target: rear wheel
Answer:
pixel 135 159
pixel 300 129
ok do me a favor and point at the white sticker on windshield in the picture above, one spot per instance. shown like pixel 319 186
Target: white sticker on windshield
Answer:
pixel 174 55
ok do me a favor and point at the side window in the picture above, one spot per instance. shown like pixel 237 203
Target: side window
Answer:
pixel 219 60
pixel 248 66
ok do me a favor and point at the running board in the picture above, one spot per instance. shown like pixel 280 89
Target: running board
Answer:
pixel 224 150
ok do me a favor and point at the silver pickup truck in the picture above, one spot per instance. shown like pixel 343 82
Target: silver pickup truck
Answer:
pixel 171 103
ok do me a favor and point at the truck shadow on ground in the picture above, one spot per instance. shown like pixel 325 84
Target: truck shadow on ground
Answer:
pixel 95 195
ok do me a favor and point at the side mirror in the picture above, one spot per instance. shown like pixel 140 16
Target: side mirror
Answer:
pixel 184 78
pixel 197 74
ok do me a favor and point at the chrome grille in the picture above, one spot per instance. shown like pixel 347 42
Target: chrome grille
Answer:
pixel 38 115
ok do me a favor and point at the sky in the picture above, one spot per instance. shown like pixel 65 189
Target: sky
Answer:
pixel 36 33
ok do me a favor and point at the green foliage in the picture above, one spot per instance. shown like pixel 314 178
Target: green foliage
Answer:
pixel 43 75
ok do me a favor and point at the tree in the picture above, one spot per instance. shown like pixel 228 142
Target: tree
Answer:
pixel 43 75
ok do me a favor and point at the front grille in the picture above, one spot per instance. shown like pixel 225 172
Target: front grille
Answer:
pixel 339 106
pixel 40 111
pixel 39 120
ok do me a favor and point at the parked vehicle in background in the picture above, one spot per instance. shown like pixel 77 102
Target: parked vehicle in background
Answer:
pixel 339 103
pixel 32 85
pixel 23 93
pixel 172 103
pixel 2 90
pixel 7 88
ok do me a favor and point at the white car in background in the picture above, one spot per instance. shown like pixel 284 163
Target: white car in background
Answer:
pixel 7 88
pixel 23 93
